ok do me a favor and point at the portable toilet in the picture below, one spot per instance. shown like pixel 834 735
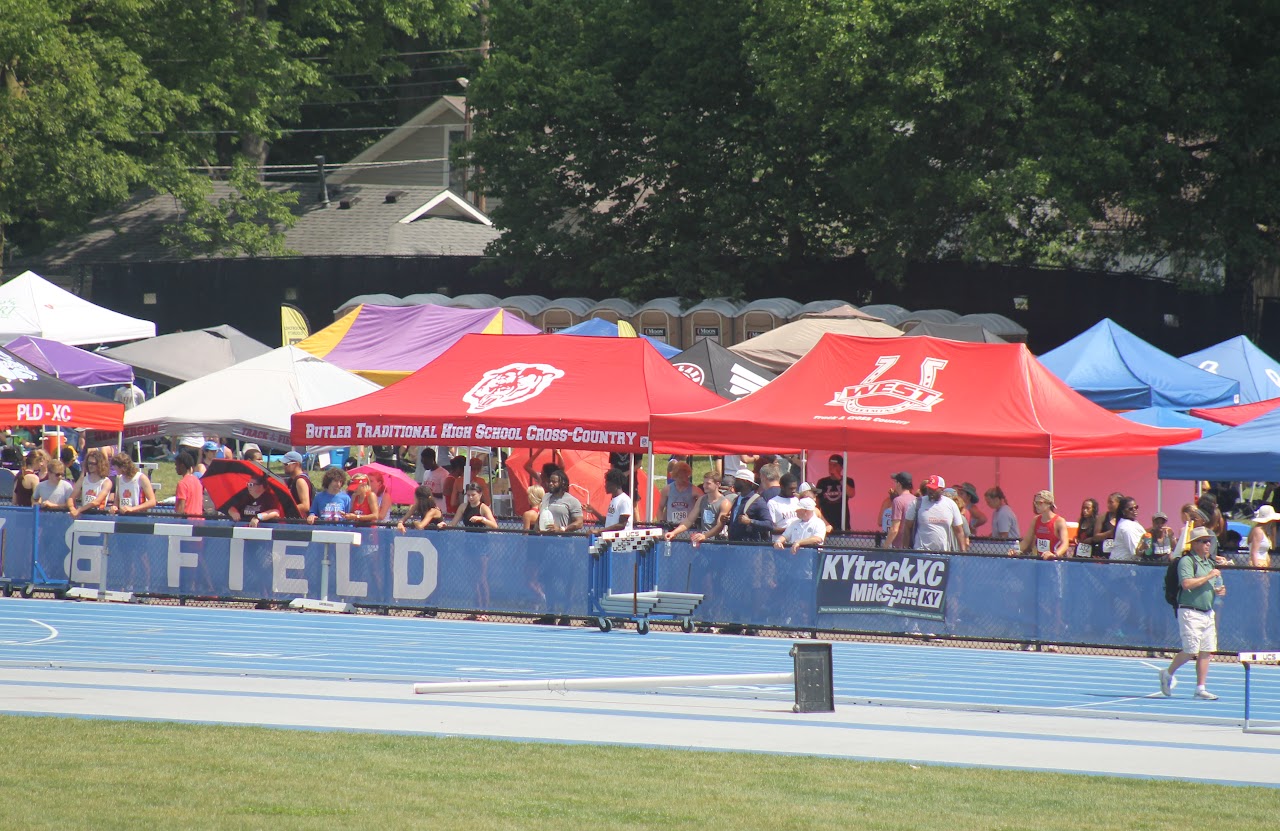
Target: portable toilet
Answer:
pixel 613 309
pixel 562 313
pixel 660 319
pixel 711 320
pixel 525 306
pixel 760 316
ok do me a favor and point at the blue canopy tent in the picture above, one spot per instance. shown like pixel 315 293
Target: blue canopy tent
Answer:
pixel 1248 453
pixel 1165 417
pixel 1239 360
pixel 599 327
pixel 1116 369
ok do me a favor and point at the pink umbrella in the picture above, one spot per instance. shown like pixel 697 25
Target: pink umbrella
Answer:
pixel 401 484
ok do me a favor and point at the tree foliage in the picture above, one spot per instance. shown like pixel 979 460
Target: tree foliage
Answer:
pixel 656 143
pixel 100 98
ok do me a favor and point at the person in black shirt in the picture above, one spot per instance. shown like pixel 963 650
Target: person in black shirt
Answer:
pixel 828 489
pixel 256 503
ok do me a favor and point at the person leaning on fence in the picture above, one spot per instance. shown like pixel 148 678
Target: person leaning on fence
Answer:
pixel 1047 537
pixel 94 486
pixel 472 514
pixel 710 514
pixel 933 522
pixel 133 493
pixel 805 529
pixel 1197 624
pixel 52 494
pixel 332 503
pixel 810 491
pixel 423 513
pixel 256 503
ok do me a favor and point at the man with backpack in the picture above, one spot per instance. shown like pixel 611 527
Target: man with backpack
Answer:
pixel 1198 581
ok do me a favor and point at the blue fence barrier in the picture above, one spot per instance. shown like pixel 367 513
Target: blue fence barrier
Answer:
pixel 864 589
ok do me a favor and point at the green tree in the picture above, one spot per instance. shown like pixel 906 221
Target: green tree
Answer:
pixel 100 98
pixel 650 144
pixel 626 145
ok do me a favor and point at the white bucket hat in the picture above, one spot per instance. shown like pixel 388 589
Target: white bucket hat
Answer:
pixel 1266 514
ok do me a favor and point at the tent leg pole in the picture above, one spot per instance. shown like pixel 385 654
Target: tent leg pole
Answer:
pixel 844 490
pixel 1051 472
pixel 649 495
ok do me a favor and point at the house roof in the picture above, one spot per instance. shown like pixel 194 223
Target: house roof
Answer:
pixel 423 221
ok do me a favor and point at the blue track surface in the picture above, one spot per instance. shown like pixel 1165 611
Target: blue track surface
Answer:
pixel 218 641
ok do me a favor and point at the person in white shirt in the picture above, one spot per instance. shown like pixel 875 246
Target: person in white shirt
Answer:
pixel 933 522
pixel 1128 530
pixel 782 508
pixel 618 517
pixel 806 529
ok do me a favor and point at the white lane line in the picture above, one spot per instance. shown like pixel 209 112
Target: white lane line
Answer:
pixel 53 634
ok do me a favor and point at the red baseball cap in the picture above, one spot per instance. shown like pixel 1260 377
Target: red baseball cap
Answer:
pixel 935 483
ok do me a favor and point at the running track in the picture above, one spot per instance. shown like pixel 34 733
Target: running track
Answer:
pixel 314 671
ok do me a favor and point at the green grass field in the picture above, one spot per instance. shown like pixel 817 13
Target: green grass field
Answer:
pixel 74 773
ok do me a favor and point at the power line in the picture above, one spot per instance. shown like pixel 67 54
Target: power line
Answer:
pixel 319 130
pixel 329 167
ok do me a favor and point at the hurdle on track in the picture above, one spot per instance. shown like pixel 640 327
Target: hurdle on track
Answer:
pixel 1247 660
pixel 811 681
pixel 109 528
pixel 639 682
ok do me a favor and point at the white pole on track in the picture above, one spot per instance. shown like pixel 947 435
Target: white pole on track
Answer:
pixel 643 682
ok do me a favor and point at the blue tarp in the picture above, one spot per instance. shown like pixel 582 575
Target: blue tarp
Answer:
pixel 1239 360
pixel 600 327
pixel 1166 417
pixel 1248 453
pixel 1116 369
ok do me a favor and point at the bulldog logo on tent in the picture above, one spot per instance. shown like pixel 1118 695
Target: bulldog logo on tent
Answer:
pixel 509 385
pixel 691 371
pixel 874 397
pixel 12 371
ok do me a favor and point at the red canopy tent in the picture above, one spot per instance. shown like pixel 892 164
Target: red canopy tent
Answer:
pixel 32 398
pixel 917 395
pixel 985 413
pixel 580 393
pixel 1236 414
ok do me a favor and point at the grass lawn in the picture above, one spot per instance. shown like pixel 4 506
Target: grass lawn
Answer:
pixel 73 773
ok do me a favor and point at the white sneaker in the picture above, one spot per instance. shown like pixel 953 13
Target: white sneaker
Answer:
pixel 1205 695
pixel 1166 683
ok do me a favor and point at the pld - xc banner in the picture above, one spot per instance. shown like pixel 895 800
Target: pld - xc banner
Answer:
pixel 911 585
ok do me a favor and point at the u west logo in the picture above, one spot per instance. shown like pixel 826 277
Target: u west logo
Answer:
pixel 876 397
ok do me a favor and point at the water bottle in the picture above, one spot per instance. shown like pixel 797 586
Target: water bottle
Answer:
pixel 1216 583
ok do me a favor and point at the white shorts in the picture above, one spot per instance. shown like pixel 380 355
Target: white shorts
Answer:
pixel 1198 630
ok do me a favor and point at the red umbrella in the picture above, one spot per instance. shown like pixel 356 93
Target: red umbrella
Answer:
pixel 226 478
pixel 401 484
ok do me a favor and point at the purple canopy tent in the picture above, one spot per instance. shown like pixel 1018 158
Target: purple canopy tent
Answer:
pixel 388 343
pixel 72 364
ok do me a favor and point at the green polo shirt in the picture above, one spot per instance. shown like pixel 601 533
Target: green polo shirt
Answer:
pixel 1201 597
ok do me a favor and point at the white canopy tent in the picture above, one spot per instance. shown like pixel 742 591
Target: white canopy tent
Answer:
pixel 252 401
pixel 31 305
